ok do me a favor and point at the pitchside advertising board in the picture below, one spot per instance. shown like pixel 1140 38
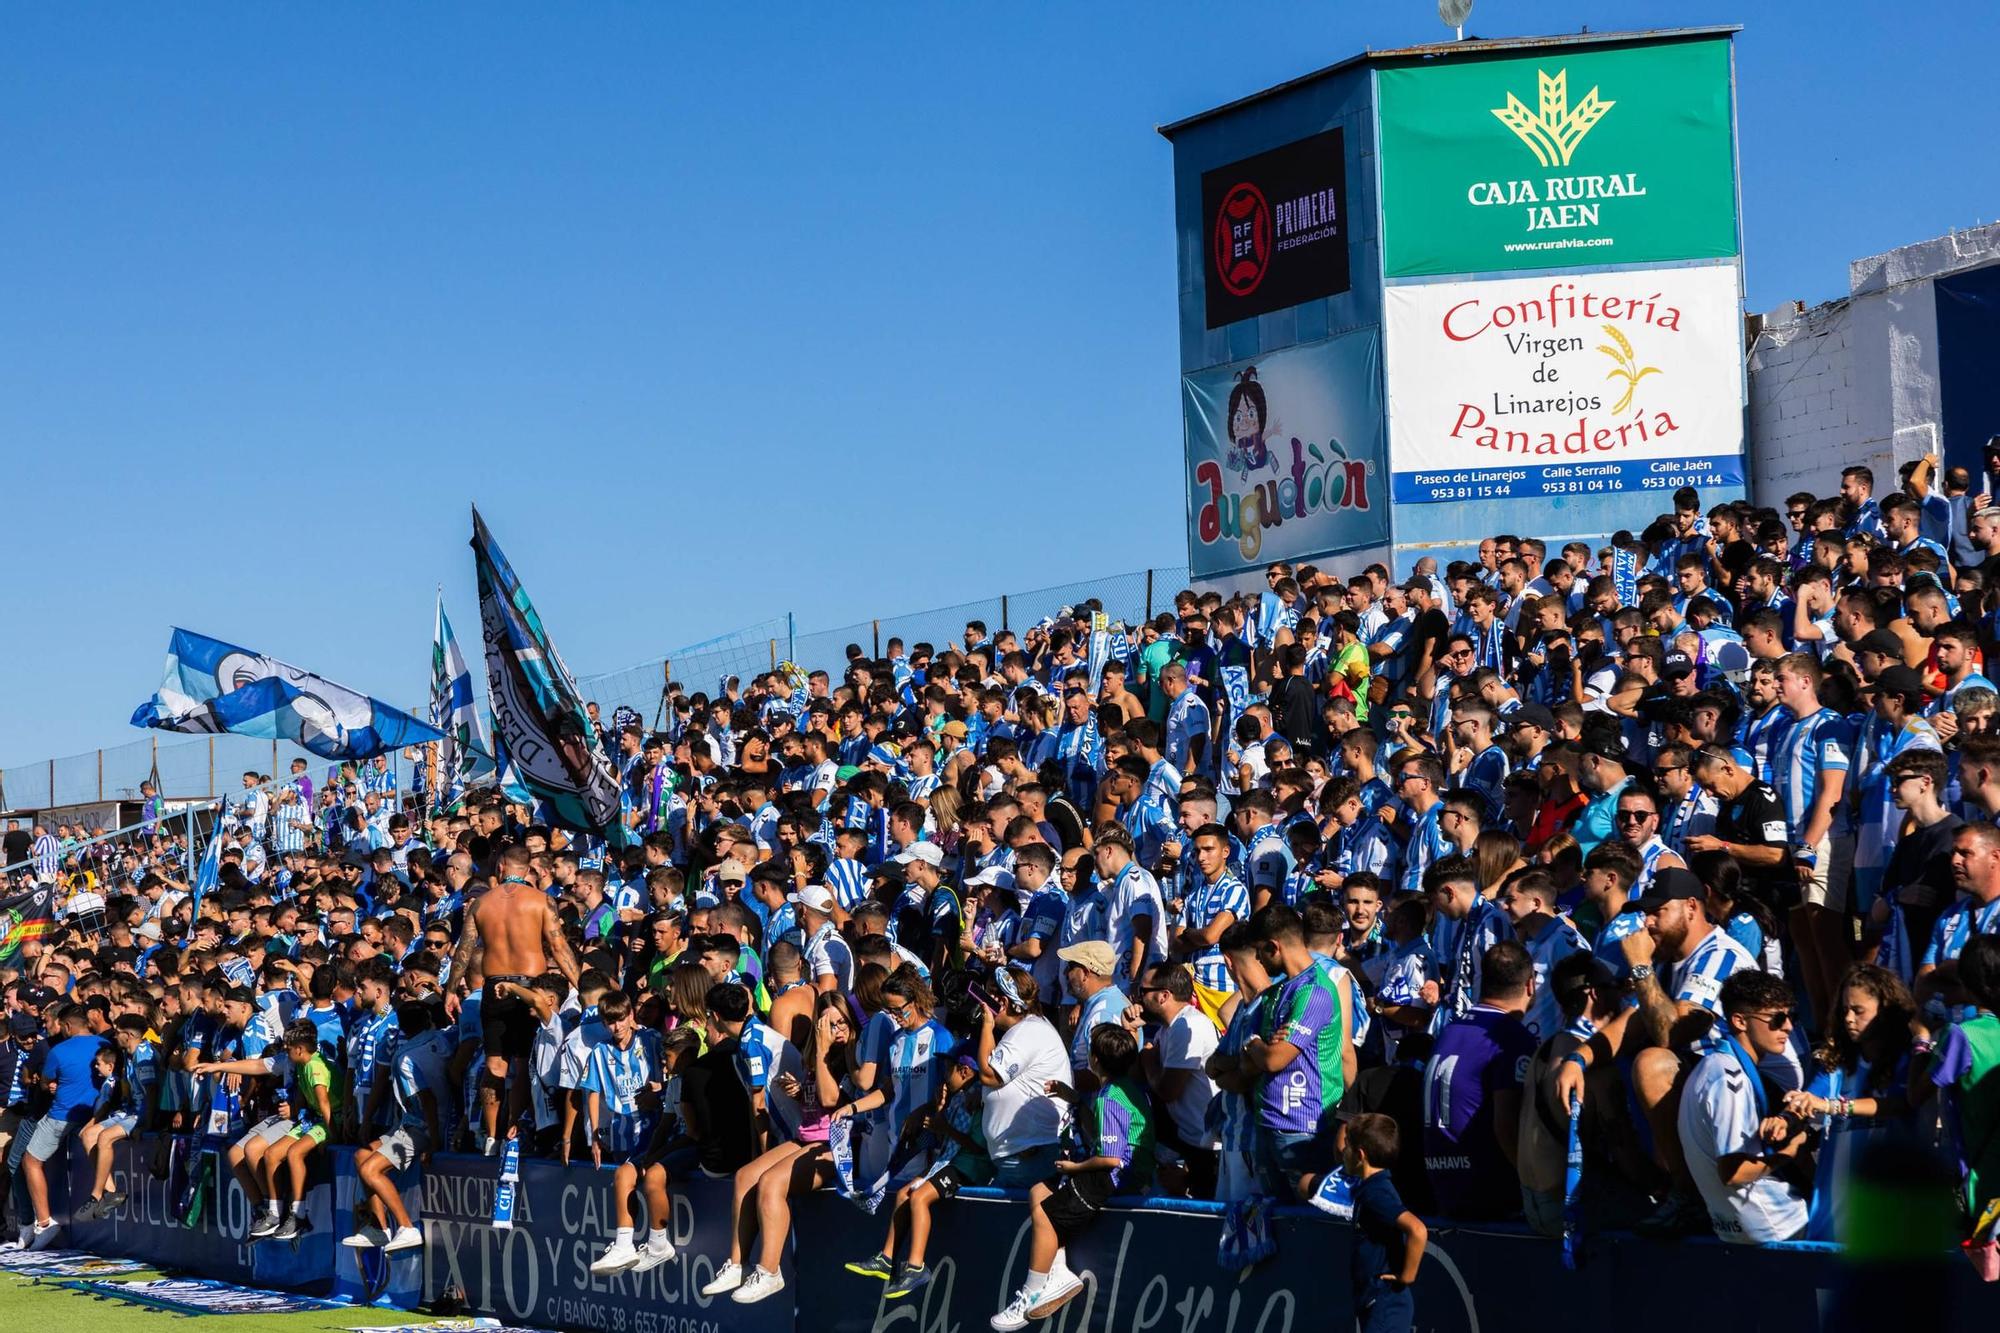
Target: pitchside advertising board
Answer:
pixel 1572 384
pixel 1585 157
pixel 1284 455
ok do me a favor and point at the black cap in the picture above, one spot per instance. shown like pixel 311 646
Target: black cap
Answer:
pixel 1675 665
pixel 1668 884
pixel 24 1025
pixel 1532 715
pixel 1880 641
pixel 890 871
pixel 1900 680
pixel 36 997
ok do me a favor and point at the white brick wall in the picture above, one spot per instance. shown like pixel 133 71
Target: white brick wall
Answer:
pixel 1855 380
pixel 1802 394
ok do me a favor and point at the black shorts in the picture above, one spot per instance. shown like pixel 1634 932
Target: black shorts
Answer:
pixel 1074 1207
pixel 507 1026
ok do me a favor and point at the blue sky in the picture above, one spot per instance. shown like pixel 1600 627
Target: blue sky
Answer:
pixel 713 309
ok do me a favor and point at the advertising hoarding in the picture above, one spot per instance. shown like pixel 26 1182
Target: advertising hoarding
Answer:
pixel 1276 229
pixel 1285 455
pixel 1570 384
pixel 1568 157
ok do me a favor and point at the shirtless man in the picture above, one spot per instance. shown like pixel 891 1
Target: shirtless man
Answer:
pixel 511 934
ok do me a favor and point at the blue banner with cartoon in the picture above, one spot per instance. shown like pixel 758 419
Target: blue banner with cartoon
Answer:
pixel 1285 455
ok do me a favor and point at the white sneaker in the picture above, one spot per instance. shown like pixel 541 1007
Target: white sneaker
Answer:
pixel 619 1257
pixel 368 1238
pixel 727 1278
pixel 761 1283
pixel 651 1257
pixel 44 1236
pixel 1016 1314
pixel 406 1238
pixel 1058 1291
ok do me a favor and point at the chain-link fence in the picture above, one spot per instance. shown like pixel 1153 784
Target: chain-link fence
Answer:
pixel 198 767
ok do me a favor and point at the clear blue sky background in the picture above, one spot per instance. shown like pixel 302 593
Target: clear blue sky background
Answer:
pixel 718 311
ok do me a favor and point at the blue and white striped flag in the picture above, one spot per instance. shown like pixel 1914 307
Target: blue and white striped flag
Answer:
pixel 209 873
pixel 538 715
pixel 212 687
pixel 466 749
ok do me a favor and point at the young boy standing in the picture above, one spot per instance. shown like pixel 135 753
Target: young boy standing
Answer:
pixel 1388 1238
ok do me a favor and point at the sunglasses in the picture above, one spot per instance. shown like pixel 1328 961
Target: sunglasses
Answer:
pixel 1776 1022
pixel 1635 816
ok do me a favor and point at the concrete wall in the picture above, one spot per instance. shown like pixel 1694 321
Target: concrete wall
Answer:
pixel 1855 380
pixel 1803 413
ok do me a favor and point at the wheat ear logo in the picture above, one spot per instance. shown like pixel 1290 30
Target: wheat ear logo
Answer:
pixel 1553 131
pixel 1627 366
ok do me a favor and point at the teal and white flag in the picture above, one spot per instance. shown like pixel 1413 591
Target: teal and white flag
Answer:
pixel 466 751
pixel 539 721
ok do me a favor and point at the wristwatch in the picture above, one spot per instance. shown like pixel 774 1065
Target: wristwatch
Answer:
pixel 1641 972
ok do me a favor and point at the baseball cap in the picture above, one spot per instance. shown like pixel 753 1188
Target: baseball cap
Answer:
pixel 1532 715
pixel 816 896
pixel 1882 642
pixel 1670 884
pixel 882 754
pixel 36 997
pixel 993 877
pixel 1091 956
pixel 889 871
pixel 1900 680
pixel 1417 585
pixel 928 852
pixel 1675 665
pixel 24 1025
pixel 730 874
pixel 954 729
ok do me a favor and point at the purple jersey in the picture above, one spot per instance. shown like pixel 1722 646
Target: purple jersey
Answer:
pixel 1484 1053
pixel 1305 1011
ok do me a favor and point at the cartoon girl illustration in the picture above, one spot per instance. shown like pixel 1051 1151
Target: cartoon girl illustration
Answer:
pixel 1249 424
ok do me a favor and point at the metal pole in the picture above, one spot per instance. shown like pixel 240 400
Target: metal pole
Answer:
pixel 211 766
pixel 791 640
pixel 774 654
pixel 1003 610
pixel 52 782
pixel 100 777
pixel 877 630
pixel 274 756
pixel 1149 594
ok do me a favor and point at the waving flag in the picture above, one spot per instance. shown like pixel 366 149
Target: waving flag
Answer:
pixel 465 749
pixel 539 722
pixel 212 686
pixel 23 918
pixel 209 873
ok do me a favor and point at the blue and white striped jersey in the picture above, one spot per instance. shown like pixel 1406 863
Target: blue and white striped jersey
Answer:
pixel 1815 745
pixel 618 1075
pixel 1202 905
pixel 1697 979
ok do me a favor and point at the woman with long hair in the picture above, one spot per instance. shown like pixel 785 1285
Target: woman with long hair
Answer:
pixel 1497 853
pixel 765 1185
pixel 1859 1082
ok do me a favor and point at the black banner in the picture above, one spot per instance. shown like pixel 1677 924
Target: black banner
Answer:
pixel 1274 229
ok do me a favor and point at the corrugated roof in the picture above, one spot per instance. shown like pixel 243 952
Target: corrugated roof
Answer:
pixel 1473 46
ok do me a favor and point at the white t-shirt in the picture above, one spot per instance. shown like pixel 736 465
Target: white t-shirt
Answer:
pixel 1020 1114
pixel 1186 1043
pixel 1719 1117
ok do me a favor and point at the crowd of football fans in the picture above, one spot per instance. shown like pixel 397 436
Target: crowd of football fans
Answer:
pixel 1366 892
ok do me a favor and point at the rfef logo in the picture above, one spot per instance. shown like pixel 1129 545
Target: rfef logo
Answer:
pixel 1242 239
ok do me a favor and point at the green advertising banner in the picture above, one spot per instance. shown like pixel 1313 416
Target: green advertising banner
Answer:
pixel 1571 158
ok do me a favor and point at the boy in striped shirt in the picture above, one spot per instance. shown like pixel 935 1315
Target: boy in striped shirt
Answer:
pixel 621 1083
pixel 1217 902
